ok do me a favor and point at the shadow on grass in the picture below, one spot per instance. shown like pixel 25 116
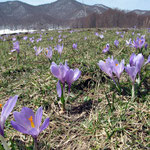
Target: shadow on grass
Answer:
pixel 84 107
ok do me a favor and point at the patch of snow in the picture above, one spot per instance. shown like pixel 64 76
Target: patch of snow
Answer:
pixel 138 12
pixel 8 31
pixel 102 6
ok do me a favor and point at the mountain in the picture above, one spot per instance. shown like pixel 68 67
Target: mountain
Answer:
pixel 16 14
pixel 19 13
pixel 70 9
pixel 141 12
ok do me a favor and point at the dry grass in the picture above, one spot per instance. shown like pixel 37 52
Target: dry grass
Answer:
pixel 88 122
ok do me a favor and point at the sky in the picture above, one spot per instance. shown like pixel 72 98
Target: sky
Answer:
pixel 121 4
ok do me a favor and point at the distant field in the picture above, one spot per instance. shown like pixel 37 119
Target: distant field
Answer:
pixel 89 122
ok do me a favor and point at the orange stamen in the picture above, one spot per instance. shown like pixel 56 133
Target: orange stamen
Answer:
pixel 32 123
pixel 116 64
pixel 0 105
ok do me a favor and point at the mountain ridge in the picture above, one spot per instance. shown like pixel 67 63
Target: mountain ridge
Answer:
pixel 17 13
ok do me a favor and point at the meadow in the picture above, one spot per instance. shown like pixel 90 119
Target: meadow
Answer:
pixel 97 115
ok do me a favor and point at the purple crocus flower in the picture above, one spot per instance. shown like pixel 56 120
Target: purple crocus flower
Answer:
pixel 101 36
pixel 137 61
pixel 148 60
pixel 107 67
pixel 59 36
pixel 106 48
pixel 146 46
pixel 116 43
pixel 37 50
pixel 117 32
pixel 25 38
pixel 52 38
pixel 71 31
pixel 129 42
pixel 121 35
pixel 110 66
pixel 71 76
pixel 74 46
pixel 64 74
pixel 59 71
pixel 29 123
pixel 118 68
pixel 38 40
pixel 32 39
pixel 96 33
pixel 138 34
pixel 64 36
pixel 6 110
pixel 59 40
pixel 132 72
pixel 138 43
pixel 16 47
pixel 14 39
pixel 85 38
pixel 49 53
pixel 59 48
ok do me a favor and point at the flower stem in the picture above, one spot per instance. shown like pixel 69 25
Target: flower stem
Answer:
pixel 62 97
pixel 35 144
pixel 17 58
pixel 5 145
pixel 139 79
pixel 133 91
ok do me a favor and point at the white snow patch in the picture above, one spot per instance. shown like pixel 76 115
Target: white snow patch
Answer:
pixel 8 31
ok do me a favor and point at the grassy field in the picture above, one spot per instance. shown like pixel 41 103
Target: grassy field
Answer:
pixel 96 116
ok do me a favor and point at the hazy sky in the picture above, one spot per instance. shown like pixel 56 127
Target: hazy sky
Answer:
pixel 122 4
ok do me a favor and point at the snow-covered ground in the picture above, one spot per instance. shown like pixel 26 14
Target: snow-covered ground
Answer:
pixel 8 31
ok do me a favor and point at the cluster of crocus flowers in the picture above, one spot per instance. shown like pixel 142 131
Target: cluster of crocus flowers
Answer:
pixel 106 48
pixel 64 75
pixel 133 68
pixel 111 67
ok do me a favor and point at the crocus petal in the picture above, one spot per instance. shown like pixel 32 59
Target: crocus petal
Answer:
pixel 28 113
pixel 132 58
pixel 55 70
pixel 77 74
pixel 106 68
pixel 148 60
pixel 8 107
pixel 132 72
pixel 139 60
pixel 22 120
pixel 13 50
pixel 45 124
pixel 18 127
pixel 59 91
pixel 38 117
pixel 34 132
